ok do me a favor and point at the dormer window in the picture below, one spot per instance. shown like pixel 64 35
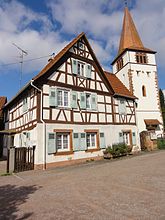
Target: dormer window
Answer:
pixel 80 45
pixel 141 58
pixel 119 63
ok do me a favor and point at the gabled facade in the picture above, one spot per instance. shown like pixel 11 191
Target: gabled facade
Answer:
pixel 72 109
pixel 136 67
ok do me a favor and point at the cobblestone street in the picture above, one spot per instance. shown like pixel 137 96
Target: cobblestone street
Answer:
pixel 132 188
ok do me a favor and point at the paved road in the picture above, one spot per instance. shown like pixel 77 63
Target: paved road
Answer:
pixel 132 188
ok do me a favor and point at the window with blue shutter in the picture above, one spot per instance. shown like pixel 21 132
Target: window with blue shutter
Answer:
pixel 122 107
pixel 102 140
pixel 121 138
pixel 51 144
pixel 76 142
pixel 25 104
pixel 88 69
pixel 74 99
pixel 52 97
pixel 74 66
pixel 82 100
pixel 83 145
pixel 133 138
pixel 93 101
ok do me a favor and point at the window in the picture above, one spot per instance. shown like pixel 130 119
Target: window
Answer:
pixel 25 104
pixel 138 72
pixel 62 98
pixel 80 69
pixel 144 91
pixel 119 64
pixel 141 58
pixel 91 140
pixel 80 45
pixel 88 100
pixel 148 74
pixel 63 141
pixel 122 107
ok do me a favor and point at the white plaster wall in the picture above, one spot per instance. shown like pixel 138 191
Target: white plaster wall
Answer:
pixel 111 136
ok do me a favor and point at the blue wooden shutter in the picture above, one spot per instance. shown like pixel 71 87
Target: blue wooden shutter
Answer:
pixel 121 139
pixel 25 104
pixel 102 140
pixel 82 100
pixel 122 107
pixel 74 66
pixel 52 97
pixel 133 138
pixel 76 142
pixel 94 101
pixel 83 145
pixel 51 143
pixel 74 99
pixel 88 69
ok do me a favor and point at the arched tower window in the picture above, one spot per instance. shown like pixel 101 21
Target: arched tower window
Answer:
pixel 143 90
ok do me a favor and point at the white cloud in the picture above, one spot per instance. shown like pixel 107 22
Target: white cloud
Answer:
pixel 101 20
pixel 16 26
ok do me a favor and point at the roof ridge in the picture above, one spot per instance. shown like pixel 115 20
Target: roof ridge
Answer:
pixel 58 56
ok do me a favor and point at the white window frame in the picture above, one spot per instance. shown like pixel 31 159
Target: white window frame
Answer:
pixel 63 91
pixel 62 134
pixel 23 104
pixel 82 68
pixel 90 146
pixel 86 94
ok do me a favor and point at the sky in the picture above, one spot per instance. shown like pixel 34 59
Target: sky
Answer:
pixel 44 27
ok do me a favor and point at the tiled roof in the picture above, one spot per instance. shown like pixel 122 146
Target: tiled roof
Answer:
pixel 130 38
pixel 58 56
pixel 151 122
pixel 3 101
pixel 129 35
pixel 118 87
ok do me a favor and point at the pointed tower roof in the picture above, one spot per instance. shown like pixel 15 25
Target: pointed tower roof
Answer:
pixel 129 35
pixel 130 38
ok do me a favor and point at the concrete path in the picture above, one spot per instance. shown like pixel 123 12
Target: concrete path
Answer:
pixel 133 188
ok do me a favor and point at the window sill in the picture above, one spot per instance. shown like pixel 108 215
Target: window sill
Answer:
pixel 63 153
pixel 93 150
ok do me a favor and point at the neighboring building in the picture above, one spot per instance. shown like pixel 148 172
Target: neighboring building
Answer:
pixel 3 101
pixel 72 109
pixel 163 94
pixel 136 67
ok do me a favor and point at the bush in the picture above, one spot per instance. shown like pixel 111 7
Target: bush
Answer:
pixel 161 144
pixel 117 150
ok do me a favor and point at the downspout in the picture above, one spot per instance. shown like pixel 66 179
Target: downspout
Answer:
pixel 43 122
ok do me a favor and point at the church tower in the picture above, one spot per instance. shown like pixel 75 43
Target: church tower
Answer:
pixel 135 66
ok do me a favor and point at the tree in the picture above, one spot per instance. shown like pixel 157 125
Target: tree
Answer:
pixel 162 104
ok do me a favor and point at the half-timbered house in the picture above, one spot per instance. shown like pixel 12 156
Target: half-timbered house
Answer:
pixel 72 109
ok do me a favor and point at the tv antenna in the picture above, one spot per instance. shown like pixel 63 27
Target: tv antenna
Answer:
pixel 22 54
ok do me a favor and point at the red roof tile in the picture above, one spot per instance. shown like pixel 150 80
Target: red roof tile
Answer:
pixel 151 122
pixel 118 87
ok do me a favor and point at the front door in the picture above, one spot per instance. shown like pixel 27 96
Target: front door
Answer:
pixel 127 138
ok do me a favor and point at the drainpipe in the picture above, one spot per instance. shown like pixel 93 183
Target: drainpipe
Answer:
pixel 43 122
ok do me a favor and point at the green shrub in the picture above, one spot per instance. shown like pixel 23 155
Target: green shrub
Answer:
pixel 117 150
pixel 161 144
